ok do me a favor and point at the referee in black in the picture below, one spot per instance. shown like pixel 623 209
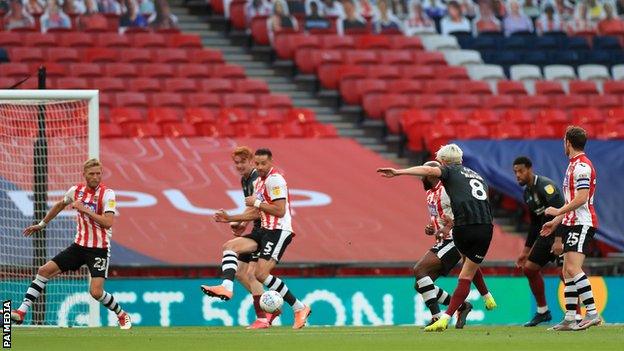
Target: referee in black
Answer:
pixel 539 194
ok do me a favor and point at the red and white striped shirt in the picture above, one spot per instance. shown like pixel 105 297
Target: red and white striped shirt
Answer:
pixel 439 205
pixel 100 200
pixel 580 175
pixel 269 189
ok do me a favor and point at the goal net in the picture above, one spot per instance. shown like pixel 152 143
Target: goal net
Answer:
pixel 45 137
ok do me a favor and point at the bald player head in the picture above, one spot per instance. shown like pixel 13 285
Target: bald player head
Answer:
pixel 430 182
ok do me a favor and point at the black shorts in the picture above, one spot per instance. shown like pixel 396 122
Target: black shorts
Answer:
pixel 473 241
pixel 448 255
pixel 75 256
pixel 577 238
pixel 271 243
pixel 541 252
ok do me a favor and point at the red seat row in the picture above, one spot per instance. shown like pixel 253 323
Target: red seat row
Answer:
pixel 105 40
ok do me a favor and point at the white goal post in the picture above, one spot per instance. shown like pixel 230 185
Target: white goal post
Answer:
pixel 45 136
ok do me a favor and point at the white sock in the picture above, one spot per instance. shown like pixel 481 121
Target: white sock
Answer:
pixel 437 315
pixel 542 309
pixel 228 284
pixel 298 305
pixel 487 296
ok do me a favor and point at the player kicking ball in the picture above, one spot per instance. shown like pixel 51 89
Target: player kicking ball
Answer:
pixel 443 256
pixel 578 223
pixel 270 203
pixel 95 206
pixel 472 228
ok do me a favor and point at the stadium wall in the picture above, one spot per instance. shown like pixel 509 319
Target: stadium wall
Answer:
pixel 335 301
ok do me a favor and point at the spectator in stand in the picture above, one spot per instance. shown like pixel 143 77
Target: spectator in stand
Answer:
pixel 486 21
pixel 468 9
pixel 596 11
pixel 281 19
pixel 296 7
pixel 610 20
pixel 333 8
pixel 365 8
pixel 35 7
pixel 531 9
pixel 418 22
pixel 499 8
pixel 549 21
pixel 385 20
pixel 619 5
pixel 163 18
pixel 435 9
pixel 516 21
pixel 18 17
pixel 454 21
pixel 352 19
pixel 314 20
pixel 4 6
pixel 146 7
pixel 399 8
pixel 581 22
pixel 74 7
pixel 131 16
pixel 54 17
pixel 109 6
pixel 563 9
pixel 256 8
pixel 91 15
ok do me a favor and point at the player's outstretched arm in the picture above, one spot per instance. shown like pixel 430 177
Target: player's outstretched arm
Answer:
pixel 418 171
pixel 582 195
pixel 550 226
pixel 54 211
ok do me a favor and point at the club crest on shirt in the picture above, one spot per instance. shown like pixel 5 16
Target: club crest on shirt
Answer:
pixel 277 191
pixel 549 189
pixel 80 193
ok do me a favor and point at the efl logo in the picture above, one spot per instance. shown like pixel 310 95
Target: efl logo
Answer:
pixel 6 324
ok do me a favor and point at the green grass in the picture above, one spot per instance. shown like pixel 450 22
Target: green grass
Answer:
pixel 316 338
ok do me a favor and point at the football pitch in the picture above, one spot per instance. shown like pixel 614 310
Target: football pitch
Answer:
pixel 480 338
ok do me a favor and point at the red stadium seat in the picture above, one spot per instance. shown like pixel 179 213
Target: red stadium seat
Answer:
pixel 442 87
pixel 545 87
pixel 332 42
pixel 175 56
pixel 216 130
pixel 301 116
pixel 452 72
pixel 553 117
pixel 266 116
pixel 186 41
pixel 252 86
pixel 162 115
pixel 472 131
pixel 375 105
pixel 404 86
pixel 110 130
pixel 207 100
pixel 384 72
pixel 510 87
pixel 615 115
pixel 181 85
pixel 572 101
pixel 233 115
pixel 40 40
pixel 478 87
pixel 585 116
pixel 584 87
pixel 145 85
pixel 71 83
pixel 516 115
pixel 367 42
pixel 132 100
pixel 330 75
pixel 508 131
pixel 157 70
pixel 259 30
pixel 361 57
pixel 414 117
pixel 239 100
pixel 63 55
pixel 143 130
pixel 450 116
pixel 534 101
pixel 96 24
pixel 238 17
pixel 430 58
pixel 205 56
pixel 198 115
pixel 539 131
pixel 110 85
pixel 101 55
pixel 148 40
pixel 133 55
pixel 112 40
pixel 463 101
pixel 319 130
pixel 299 42
pixel 174 100
pixel 86 70
pixel 397 57
pixel 76 40
pixel 400 42
pixel 615 87
pixel 124 115
pixel 605 101
pixel 121 70
pixel 308 60
pixel 194 70
pixel 418 72
pixel 26 55
pixel 229 71
pixel 178 130
pixel 281 101
pixel 9 39
pixel 499 102
pixel 17 70
pixel 219 85
pixel 484 117
pixel 611 132
pixel 430 101
pixel 438 136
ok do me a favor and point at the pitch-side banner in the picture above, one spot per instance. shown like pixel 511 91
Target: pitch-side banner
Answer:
pixel 168 189
pixel 334 301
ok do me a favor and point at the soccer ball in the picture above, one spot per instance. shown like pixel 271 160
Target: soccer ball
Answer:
pixel 271 301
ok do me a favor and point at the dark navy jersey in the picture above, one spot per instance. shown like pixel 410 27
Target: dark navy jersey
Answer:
pixel 539 195
pixel 248 189
pixel 469 195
